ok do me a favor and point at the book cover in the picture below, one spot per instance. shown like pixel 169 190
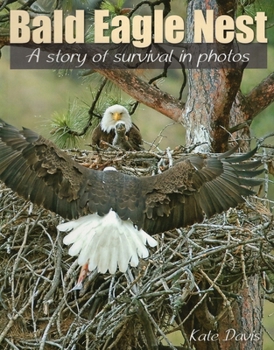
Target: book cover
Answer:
pixel 150 90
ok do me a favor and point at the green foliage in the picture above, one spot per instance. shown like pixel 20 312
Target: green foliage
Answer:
pixel 251 7
pixel 66 126
pixel 113 8
pixel 69 5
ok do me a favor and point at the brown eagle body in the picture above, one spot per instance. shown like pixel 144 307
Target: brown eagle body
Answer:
pixel 196 185
pixel 105 131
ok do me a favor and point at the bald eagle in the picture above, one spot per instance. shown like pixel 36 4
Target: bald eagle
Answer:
pixel 113 215
pixel 105 131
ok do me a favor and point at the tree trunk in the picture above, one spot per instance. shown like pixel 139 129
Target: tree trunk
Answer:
pixel 207 116
pixel 211 91
pixel 216 325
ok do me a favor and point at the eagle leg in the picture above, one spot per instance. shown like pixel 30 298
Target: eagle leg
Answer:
pixel 83 273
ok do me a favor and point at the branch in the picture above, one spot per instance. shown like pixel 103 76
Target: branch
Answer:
pixel 246 107
pixel 145 93
pixel 260 97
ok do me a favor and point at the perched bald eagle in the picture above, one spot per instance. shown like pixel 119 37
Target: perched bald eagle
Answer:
pixel 113 214
pixel 105 131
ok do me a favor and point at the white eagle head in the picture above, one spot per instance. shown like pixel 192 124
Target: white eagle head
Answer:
pixel 112 115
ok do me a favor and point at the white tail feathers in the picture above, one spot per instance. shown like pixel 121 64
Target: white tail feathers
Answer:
pixel 106 242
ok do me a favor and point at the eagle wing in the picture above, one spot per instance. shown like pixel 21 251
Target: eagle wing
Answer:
pixel 196 186
pixel 98 135
pixel 39 171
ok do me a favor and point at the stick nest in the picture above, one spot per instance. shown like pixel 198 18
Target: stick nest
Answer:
pixel 136 310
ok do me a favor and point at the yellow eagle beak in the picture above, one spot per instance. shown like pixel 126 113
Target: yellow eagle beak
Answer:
pixel 117 116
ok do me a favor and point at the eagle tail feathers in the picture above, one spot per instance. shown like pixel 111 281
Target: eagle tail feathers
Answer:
pixel 106 242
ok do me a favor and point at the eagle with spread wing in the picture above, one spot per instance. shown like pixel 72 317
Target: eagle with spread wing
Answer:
pixel 113 215
pixel 105 132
